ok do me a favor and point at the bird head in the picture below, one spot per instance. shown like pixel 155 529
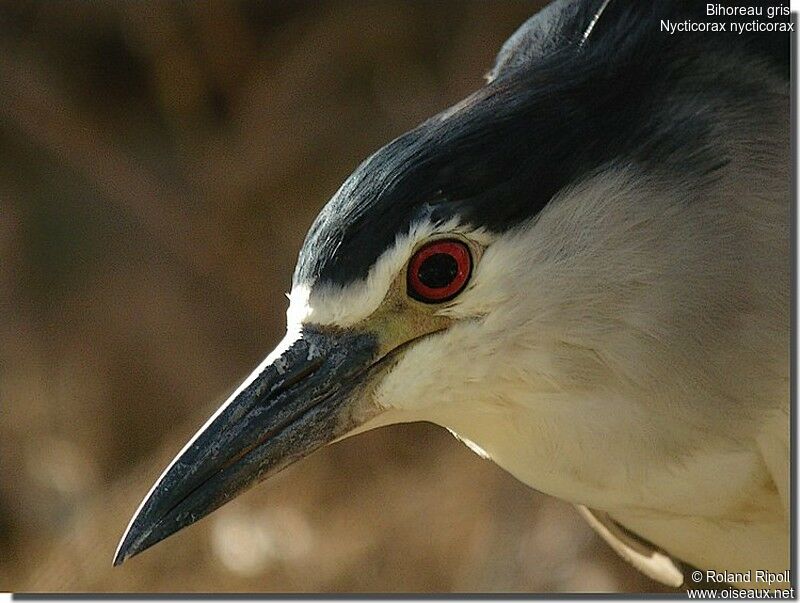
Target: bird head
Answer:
pixel 481 258
pixel 396 281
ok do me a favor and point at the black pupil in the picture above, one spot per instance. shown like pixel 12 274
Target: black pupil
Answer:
pixel 438 270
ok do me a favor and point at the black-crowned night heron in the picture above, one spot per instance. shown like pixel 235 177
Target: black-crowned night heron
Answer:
pixel 582 270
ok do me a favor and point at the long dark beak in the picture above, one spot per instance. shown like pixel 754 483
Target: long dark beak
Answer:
pixel 291 405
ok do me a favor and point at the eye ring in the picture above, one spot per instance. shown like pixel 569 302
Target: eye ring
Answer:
pixel 439 271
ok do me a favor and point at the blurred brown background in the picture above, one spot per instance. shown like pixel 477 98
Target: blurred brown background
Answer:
pixel 160 163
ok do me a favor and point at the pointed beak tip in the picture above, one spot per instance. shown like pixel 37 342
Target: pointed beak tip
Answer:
pixel 125 550
pixel 130 545
pixel 274 418
pixel 119 557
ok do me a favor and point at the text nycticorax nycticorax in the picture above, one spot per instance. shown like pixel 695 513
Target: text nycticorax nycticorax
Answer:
pixel 582 270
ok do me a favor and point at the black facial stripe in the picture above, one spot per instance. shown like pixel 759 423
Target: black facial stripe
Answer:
pixel 555 114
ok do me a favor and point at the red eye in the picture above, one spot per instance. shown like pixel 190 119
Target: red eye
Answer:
pixel 439 271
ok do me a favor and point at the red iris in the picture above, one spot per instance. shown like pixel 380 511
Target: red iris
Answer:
pixel 439 271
